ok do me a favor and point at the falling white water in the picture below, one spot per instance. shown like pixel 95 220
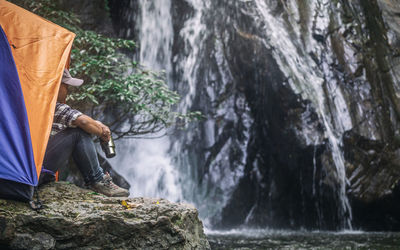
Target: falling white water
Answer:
pixel 309 83
pixel 156 34
pixel 145 162
pixel 193 34
pixel 145 165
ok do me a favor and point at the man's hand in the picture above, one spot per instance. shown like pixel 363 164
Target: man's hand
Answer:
pixel 105 132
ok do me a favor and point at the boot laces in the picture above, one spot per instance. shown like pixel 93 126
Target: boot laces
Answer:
pixel 109 183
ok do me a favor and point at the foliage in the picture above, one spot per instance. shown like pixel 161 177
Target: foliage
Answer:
pixel 130 99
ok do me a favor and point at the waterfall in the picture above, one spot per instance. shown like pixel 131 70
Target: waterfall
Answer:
pixel 145 163
pixel 205 163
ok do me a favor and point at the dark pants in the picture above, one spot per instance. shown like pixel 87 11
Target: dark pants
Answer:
pixel 79 144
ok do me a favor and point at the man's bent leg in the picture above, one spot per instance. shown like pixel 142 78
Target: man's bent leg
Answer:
pixel 75 142
pixel 85 157
pixel 80 144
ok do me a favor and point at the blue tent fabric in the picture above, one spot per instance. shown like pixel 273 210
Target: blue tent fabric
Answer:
pixel 16 155
pixel 15 191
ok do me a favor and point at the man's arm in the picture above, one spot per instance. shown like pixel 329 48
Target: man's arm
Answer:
pixel 93 127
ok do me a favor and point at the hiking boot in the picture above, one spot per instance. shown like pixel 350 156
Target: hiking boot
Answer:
pixel 107 187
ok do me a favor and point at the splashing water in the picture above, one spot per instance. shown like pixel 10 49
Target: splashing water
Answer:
pixel 145 162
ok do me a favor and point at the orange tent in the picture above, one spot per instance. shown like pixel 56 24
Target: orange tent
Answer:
pixel 40 50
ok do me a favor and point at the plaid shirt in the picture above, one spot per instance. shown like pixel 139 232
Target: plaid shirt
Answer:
pixel 63 118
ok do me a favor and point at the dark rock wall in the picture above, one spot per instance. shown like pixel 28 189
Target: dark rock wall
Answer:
pixel 276 187
pixel 263 155
pixel 372 160
pixel 283 179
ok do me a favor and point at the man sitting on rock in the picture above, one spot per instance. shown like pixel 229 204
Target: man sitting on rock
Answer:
pixel 71 135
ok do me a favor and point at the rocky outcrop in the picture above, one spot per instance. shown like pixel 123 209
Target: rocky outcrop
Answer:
pixel 75 218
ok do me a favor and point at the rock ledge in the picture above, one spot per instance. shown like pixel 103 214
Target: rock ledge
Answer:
pixel 75 218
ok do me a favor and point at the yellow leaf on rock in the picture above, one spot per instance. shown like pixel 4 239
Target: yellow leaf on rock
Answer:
pixel 127 205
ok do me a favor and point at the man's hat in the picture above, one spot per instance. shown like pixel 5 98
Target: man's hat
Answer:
pixel 68 79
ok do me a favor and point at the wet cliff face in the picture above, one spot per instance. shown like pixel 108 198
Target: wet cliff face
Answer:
pixel 254 127
pixel 301 107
